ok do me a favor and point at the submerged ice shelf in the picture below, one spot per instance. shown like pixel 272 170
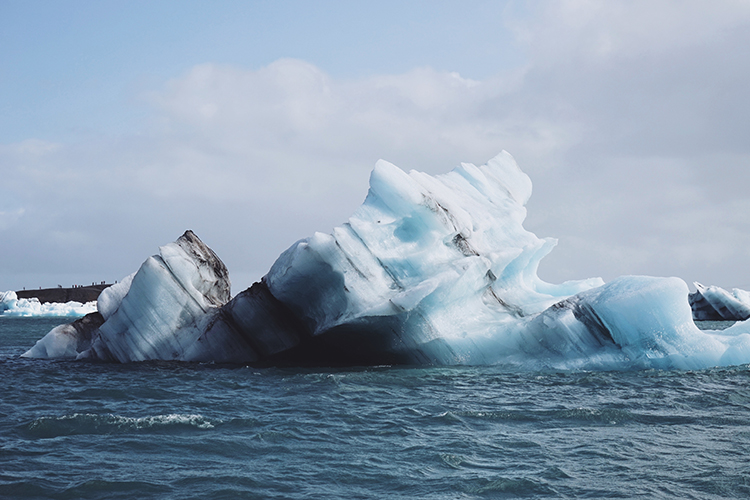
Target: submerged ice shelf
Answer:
pixel 430 270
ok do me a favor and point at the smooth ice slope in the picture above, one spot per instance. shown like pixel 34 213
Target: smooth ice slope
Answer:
pixel 169 294
pixel 111 297
pixel 429 270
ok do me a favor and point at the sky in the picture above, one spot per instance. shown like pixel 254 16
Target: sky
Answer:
pixel 257 123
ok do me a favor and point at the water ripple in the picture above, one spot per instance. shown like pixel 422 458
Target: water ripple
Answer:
pixel 86 423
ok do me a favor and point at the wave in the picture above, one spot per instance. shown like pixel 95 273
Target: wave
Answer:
pixel 91 423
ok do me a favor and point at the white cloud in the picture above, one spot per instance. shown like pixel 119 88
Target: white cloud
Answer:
pixel 602 31
pixel 661 162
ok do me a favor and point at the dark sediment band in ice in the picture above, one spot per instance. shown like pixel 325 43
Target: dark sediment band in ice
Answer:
pixel 713 303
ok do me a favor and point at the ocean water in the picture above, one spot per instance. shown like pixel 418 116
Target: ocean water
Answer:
pixel 167 430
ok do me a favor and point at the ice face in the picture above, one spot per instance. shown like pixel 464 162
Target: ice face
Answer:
pixel 111 297
pixel 155 314
pixel 152 314
pixel 644 322
pixel 430 244
pixel 68 340
pixel 423 265
pixel 428 271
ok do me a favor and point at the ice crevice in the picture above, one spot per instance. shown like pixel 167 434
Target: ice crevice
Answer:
pixel 429 270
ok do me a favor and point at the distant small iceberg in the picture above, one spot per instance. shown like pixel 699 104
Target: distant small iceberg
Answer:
pixel 713 303
pixel 11 305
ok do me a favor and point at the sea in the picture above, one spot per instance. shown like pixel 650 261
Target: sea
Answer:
pixel 82 430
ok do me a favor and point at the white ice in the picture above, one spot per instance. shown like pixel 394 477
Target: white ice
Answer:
pixel 11 305
pixel 111 297
pixel 154 313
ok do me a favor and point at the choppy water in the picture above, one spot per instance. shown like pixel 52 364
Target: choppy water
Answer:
pixel 166 430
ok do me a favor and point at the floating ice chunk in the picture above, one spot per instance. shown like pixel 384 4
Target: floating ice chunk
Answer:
pixel 68 340
pixel 167 298
pixel 153 314
pixel 713 303
pixel 650 321
pixel 11 305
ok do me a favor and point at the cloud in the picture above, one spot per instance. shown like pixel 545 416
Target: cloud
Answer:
pixel 601 31
pixel 10 217
pixel 253 160
pixel 656 91
pixel 630 117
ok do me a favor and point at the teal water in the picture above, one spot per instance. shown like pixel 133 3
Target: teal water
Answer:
pixel 168 430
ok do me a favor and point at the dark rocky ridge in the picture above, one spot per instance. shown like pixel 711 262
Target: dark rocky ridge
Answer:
pixel 79 294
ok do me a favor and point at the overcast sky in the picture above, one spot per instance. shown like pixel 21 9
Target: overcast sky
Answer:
pixel 123 123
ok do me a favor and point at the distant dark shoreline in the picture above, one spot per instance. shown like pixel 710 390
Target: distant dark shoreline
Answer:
pixel 77 294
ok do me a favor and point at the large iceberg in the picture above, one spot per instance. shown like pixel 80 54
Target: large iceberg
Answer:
pixel 430 270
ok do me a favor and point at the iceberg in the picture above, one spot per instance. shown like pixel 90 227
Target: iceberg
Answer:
pixel 12 306
pixel 152 314
pixel 430 270
pixel 712 303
